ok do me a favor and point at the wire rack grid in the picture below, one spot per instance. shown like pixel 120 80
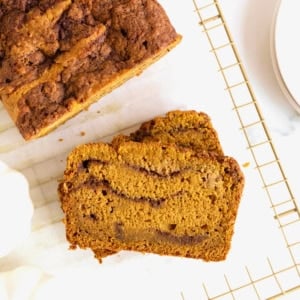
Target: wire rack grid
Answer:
pixel 278 190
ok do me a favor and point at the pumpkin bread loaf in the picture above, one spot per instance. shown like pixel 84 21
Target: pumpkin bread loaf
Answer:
pixel 59 56
pixel 150 197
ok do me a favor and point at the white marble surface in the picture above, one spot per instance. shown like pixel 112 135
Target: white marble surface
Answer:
pixel 250 22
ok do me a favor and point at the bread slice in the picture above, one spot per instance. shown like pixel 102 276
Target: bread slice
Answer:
pixel 185 128
pixel 57 57
pixel 150 197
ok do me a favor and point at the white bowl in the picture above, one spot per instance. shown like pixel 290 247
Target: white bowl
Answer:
pixel 285 49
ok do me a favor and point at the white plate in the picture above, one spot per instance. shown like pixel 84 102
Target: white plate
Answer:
pixel 285 49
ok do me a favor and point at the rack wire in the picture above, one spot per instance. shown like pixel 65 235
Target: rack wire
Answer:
pixel 283 203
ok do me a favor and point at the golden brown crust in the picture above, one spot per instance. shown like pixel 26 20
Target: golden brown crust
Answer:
pixel 150 197
pixel 58 58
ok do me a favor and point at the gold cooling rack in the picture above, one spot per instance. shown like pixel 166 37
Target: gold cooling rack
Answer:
pixel 283 203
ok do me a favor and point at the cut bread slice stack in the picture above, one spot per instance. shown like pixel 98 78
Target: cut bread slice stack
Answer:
pixel 166 189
